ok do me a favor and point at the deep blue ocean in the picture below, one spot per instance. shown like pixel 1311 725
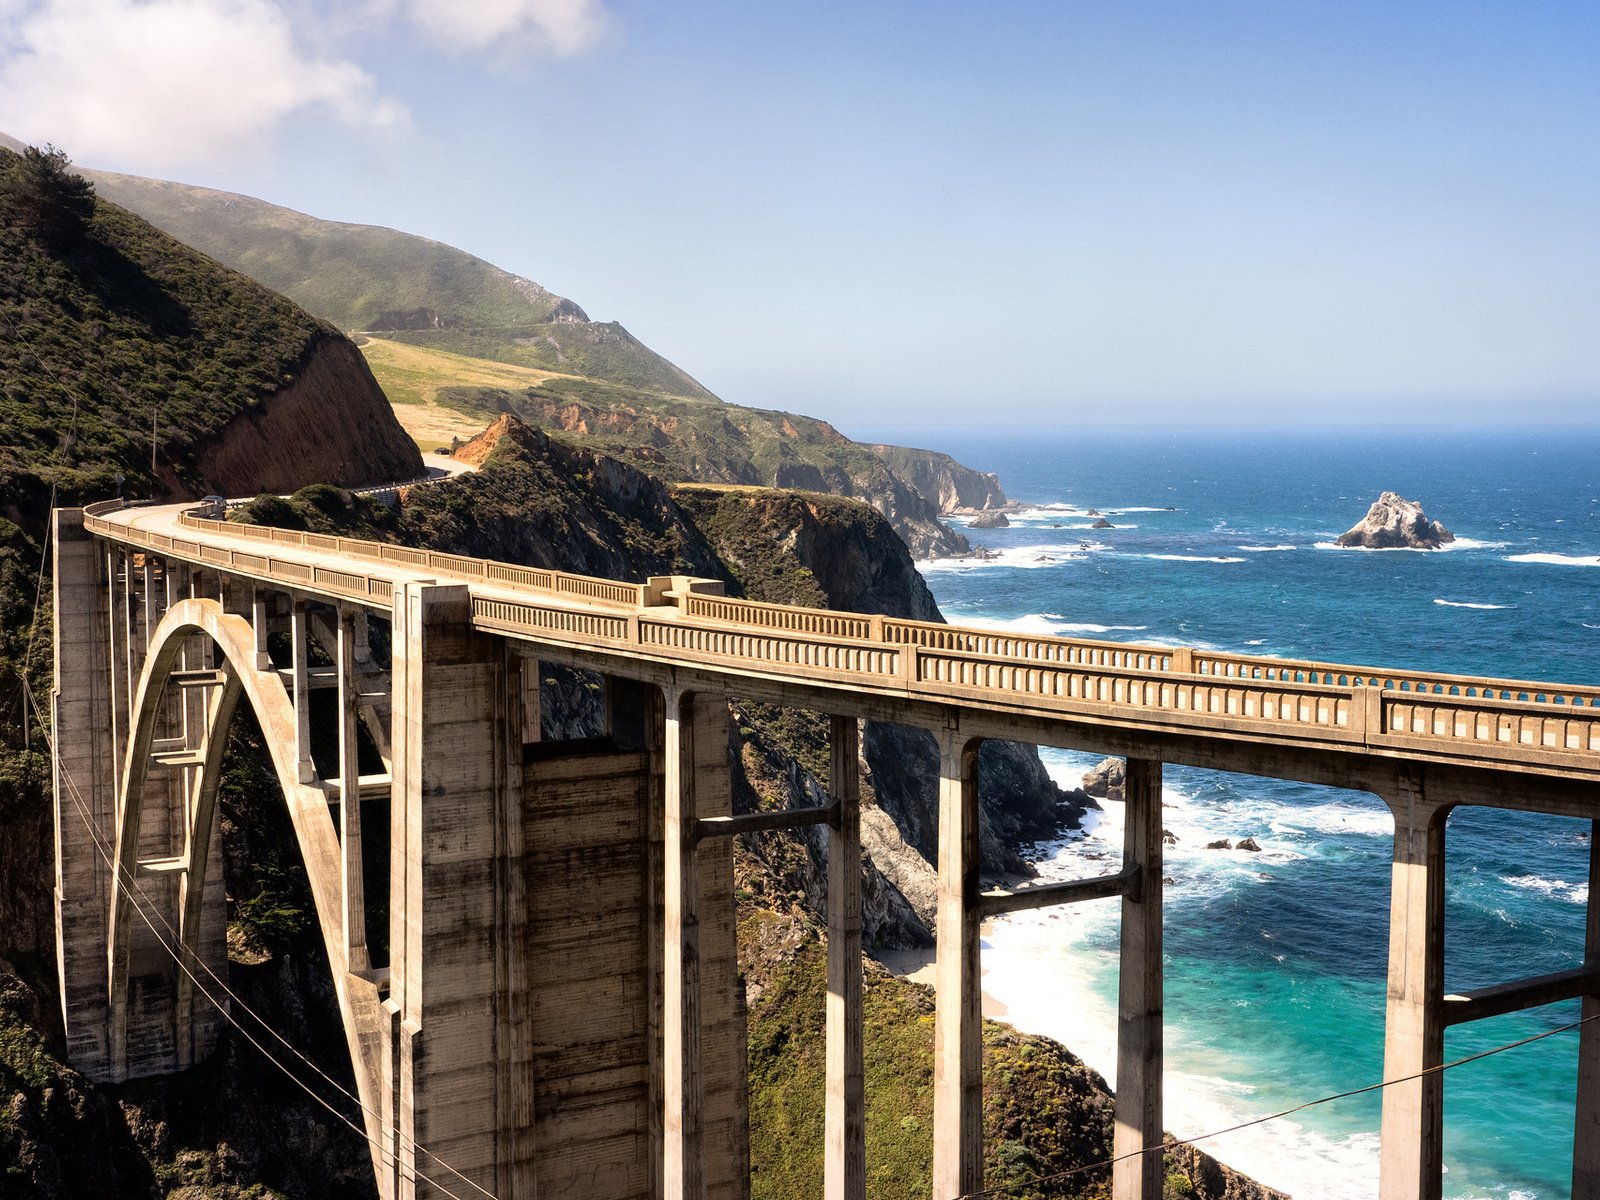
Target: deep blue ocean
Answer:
pixel 1276 961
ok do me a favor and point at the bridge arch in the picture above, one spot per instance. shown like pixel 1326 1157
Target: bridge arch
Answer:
pixel 235 677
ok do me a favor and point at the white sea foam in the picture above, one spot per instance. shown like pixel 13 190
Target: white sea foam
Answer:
pixel 1033 623
pixel 1017 557
pixel 1556 889
pixel 1206 558
pixel 1557 560
pixel 1052 984
pixel 1049 971
pixel 1374 820
pixel 1043 624
pixel 1088 627
pixel 1266 549
pixel 1461 543
pixel 1471 604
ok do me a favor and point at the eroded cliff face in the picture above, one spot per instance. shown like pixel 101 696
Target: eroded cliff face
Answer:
pixel 330 424
pixel 798 548
pixel 951 485
pixel 727 444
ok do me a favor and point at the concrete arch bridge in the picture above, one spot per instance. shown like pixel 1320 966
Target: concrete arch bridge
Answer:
pixel 553 1007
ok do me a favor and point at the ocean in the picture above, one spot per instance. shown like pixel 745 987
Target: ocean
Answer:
pixel 1276 960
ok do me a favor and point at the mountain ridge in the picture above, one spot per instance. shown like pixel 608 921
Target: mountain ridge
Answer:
pixel 415 291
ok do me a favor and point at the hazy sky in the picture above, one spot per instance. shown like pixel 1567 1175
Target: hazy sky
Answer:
pixel 884 213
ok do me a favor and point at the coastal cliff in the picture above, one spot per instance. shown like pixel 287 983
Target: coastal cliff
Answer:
pixel 953 486
pixel 686 441
pixel 124 326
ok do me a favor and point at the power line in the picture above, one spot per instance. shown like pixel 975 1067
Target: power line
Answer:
pixel 1288 1112
pixel 139 899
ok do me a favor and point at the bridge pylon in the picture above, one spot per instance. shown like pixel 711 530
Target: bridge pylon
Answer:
pixel 505 1019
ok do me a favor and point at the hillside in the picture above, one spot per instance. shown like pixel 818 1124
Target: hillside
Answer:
pixel 128 353
pixel 690 441
pixel 119 322
pixel 370 279
pixel 119 344
pixel 450 309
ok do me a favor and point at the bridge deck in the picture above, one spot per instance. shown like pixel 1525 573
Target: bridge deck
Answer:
pixel 1541 728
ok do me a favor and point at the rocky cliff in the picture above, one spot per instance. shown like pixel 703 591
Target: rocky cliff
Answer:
pixel 951 485
pixel 700 442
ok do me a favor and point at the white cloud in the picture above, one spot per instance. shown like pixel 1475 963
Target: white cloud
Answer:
pixel 167 83
pixel 562 27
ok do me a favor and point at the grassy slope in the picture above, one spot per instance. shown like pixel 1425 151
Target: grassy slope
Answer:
pixel 435 297
pixel 363 277
pixel 414 376
pixel 1044 1111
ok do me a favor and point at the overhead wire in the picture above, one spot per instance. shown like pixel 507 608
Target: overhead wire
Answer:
pixel 140 898
pixel 1166 1145
pixel 136 892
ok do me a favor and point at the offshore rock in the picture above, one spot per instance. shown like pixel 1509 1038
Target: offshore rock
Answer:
pixel 1107 780
pixel 989 520
pixel 1394 522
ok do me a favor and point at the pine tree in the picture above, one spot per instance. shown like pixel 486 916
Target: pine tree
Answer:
pixel 40 196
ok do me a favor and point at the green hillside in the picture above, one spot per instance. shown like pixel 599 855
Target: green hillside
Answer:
pixel 370 279
pixel 118 329
pixel 601 385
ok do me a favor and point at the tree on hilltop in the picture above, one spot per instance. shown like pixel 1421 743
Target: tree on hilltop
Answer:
pixel 39 195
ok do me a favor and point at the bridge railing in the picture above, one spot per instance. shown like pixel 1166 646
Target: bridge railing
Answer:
pixel 1112 681
pixel 609 591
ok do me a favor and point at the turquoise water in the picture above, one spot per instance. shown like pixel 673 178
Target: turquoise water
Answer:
pixel 1276 961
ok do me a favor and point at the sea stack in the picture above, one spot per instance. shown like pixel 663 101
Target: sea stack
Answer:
pixel 1394 522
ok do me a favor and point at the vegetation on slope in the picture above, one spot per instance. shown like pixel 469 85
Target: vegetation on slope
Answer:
pixel 120 332
pixel 363 277
pixel 1044 1111
pixel 606 387
pixel 107 324
pixel 691 441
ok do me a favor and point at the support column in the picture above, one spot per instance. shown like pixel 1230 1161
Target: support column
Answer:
pixel 845 1163
pixel 683 1085
pixel 132 648
pixel 528 675
pixel 1586 1135
pixel 1139 1008
pixel 258 624
pixel 85 768
pixel 958 1018
pixel 115 642
pixel 302 693
pixel 453 949
pixel 351 877
pixel 1412 1154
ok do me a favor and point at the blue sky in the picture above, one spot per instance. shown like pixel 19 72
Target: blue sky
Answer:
pixel 888 214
